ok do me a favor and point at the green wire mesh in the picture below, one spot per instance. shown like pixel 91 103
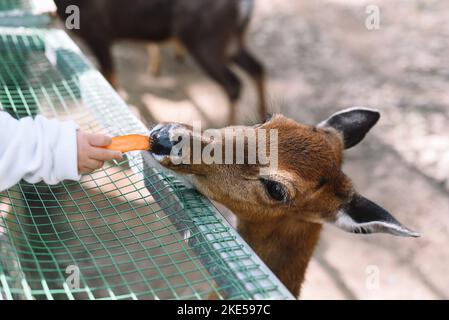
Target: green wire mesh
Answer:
pixel 128 231
pixel 9 5
pixel 31 13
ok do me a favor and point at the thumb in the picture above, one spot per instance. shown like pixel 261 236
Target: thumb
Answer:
pixel 99 140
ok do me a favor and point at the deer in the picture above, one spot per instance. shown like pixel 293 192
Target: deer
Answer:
pixel 280 214
pixel 212 32
pixel 155 57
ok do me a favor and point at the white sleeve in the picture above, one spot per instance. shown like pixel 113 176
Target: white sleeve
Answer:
pixel 37 150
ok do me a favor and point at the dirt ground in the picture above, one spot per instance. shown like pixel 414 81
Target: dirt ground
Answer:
pixel 321 58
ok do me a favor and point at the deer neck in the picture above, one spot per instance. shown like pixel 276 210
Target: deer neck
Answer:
pixel 286 246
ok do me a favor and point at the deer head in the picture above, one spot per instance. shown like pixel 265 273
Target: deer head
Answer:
pixel 284 208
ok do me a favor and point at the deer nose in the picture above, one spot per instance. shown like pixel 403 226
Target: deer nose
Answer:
pixel 160 139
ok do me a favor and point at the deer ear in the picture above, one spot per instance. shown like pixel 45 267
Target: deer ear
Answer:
pixel 353 124
pixel 363 216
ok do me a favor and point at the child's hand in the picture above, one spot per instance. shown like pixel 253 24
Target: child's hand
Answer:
pixel 90 154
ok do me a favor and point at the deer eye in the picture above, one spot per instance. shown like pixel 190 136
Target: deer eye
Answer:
pixel 275 190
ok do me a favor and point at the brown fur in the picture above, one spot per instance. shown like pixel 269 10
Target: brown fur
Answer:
pixel 286 247
pixel 283 234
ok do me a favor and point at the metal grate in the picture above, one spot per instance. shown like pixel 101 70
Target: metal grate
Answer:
pixel 31 13
pixel 130 230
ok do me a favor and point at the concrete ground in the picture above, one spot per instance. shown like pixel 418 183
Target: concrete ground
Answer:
pixel 321 58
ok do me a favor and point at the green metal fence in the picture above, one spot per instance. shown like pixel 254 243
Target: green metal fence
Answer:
pixel 128 231
pixel 31 13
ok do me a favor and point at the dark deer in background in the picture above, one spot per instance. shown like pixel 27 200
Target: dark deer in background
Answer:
pixel 212 31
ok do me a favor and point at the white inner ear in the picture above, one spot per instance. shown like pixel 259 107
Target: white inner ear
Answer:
pixel 345 222
pixel 324 123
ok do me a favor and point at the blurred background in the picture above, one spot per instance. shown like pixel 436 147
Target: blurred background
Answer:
pixel 320 57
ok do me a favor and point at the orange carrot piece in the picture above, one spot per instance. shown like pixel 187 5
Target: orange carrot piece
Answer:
pixel 132 142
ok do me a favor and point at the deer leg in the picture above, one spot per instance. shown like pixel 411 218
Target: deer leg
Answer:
pixel 222 74
pixel 255 69
pixel 102 52
pixel 154 53
pixel 180 52
pixel 232 86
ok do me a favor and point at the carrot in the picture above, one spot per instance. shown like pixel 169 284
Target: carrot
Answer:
pixel 132 142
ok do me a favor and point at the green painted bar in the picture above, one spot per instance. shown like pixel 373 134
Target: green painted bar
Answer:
pixel 128 231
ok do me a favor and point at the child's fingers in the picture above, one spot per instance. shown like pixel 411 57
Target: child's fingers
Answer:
pixel 99 140
pixel 86 170
pixel 105 154
pixel 94 164
pixel 90 166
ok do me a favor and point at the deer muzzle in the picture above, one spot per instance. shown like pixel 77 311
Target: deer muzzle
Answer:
pixel 162 143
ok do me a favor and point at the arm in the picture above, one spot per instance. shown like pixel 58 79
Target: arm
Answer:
pixel 47 150
pixel 36 150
